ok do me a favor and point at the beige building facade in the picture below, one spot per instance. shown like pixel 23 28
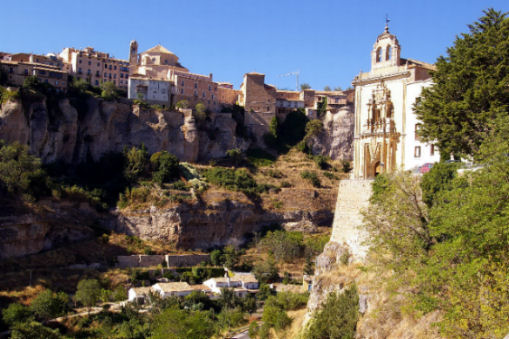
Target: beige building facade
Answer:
pixel 47 69
pixel 95 67
pixel 385 137
pixel 158 64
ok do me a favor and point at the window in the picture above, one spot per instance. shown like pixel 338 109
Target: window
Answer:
pixel 210 88
pixel 121 75
pixel 203 94
pixel 98 64
pixel 417 129
pixel 379 54
pixel 182 83
pixel 115 76
pixel 417 152
pixel 388 52
pixel 181 91
pixel 79 61
pixel 89 72
pixel 79 70
pixel 195 85
pixel 26 71
pixel 195 93
pixel 97 82
pixel 432 150
pixel 56 82
pixel 115 68
pixel 109 67
pixel 89 63
pixel 105 66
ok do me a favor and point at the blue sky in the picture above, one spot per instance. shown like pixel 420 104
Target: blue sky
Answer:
pixel 328 41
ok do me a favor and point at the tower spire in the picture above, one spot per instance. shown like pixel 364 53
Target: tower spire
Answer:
pixel 387 20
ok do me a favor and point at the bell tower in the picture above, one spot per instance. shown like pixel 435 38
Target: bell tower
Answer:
pixel 386 50
pixel 133 53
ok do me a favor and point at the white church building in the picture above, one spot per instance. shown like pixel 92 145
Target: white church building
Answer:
pixel 385 136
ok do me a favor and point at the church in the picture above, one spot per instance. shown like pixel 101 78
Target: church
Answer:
pixel 385 132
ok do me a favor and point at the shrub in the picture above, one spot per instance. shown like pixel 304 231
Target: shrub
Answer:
pixel 165 166
pixel 182 104
pixel 439 178
pixel 48 305
pixel 337 318
pixel 235 180
pixel 137 163
pixel 312 177
pixel 313 128
pixel 266 271
pixel 284 245
pixel 235 155
pixel 259 158
pixel 321 162
pixel 285 184
pixel 88 292
pixel 330 175
pixel 15 313
pixel 346 166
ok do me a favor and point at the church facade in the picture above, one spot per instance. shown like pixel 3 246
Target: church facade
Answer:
pixel 385 134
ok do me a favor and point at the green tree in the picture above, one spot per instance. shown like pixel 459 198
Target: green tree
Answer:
pixel 34 330
pixel 337 317
pixel 266 271
pixel 20 172
pixel 470 87
pixel 321 108
pixel 88 292
pixel 174 323
pixel 15 313
pixel 165 167
pixel 182 104
pixel 439 178
pixel 216 257
pixel 137 163
pixel 200 112
pixel 48 304
pixel 305 86
pixel 327 88
pixel 108 90
pixel 231 257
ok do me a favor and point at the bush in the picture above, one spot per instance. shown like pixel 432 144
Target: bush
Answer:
pixel 88 292
pixel 439 178
pixel 259 158
pixel 284 245
pixel 15 313
pixel 346 166
pixel 165 167
pixel 48 305
pixel 137 163
pixel 313 128
pixel 235 155
pixel 266 271
pixel 321 162
pixel 235 180
pixel 337 318
pixel 312 177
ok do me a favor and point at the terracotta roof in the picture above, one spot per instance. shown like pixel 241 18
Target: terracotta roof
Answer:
pixel 158 49
pixel 174 286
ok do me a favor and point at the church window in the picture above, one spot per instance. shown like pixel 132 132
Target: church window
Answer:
pixel 379 54
pixel 417 129
pixel 417 152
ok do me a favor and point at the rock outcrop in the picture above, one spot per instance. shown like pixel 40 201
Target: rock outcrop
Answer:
pixel 221 218
pixel 63 133
pixel 49 225
pixel 336 139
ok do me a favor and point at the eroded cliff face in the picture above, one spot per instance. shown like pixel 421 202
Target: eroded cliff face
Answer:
pixel 219 218
pixel 63 134
pixel 50 224
pixel 336 140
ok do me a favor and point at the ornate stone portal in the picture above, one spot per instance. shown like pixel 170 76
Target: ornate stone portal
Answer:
pixel 380 152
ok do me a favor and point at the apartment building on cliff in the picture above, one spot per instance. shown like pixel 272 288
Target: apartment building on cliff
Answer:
pixel 158 77
pixel 48 68
pixel 385 136
pixel 95 67
pixel 262 102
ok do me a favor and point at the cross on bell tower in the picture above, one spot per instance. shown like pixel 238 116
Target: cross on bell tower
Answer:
pixel 387 20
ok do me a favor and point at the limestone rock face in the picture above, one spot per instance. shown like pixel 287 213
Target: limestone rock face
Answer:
pixel 51 225
pixel 337 137
pixel 63 133
pixel 225 219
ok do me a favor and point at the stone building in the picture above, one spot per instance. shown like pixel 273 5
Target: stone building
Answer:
pixel 262 102
pixel 156 65
pixel 95 67
pixel 47 68
pixel 385 136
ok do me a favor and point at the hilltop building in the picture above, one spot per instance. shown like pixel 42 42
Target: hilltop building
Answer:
pixel 385 136
pixel 48 68
pixel 95 67
pixel 262 102
pixel 158 77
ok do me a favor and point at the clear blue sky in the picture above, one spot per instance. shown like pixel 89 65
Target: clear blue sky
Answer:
pixel 328 41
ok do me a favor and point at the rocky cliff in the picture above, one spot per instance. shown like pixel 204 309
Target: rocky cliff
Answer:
pixel 32 229
pixel 63 133
pixel 219 218
pixel 336 139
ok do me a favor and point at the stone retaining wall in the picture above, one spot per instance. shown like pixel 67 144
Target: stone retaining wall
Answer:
pixel 141 260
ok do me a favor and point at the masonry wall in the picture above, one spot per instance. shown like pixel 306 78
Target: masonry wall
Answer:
pixel 141 260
